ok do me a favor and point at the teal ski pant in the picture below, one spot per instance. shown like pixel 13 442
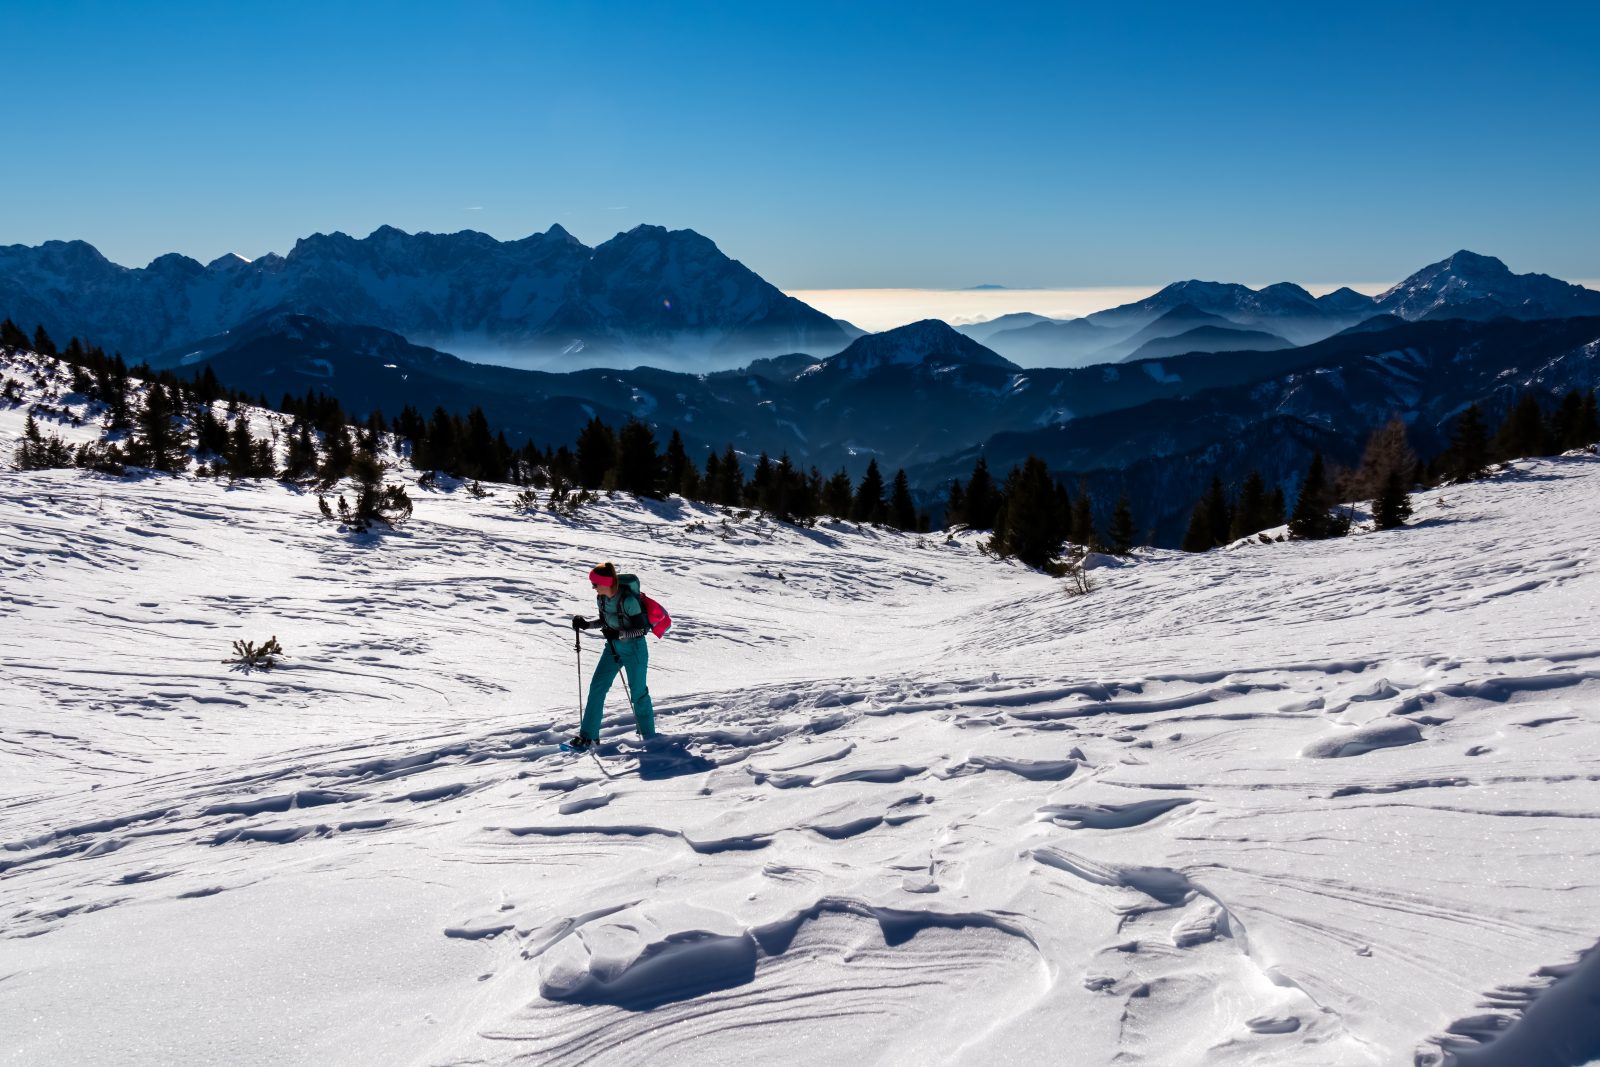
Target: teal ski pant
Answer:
pixel 635 657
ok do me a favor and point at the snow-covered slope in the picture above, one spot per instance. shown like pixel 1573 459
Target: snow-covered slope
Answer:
pixel 1290 803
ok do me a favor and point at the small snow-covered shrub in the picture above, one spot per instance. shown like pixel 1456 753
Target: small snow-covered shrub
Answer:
pixel 259 657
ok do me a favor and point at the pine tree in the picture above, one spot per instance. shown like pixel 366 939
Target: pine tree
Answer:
pixel 210 435
pixel 983 499
pixel 27 453
pixel 1589 422
pixel 597 453
pixel 338 454
pixel 1469 446
pixel 689 486
pixel 814 489
pixel 758 490
pixel 638 465
pixel 838 495
pixel 1251 512
pixel 1219 515
pixel 1082 530
pixel 240 450
pixel 1392 507
pixel 42 343
pixel 12 337
pixel 301 462
pixel 1564 423
pixel 481 458
pixel 902 509
pixel 1197 538
pixel 676 465
pixel 440 449
pixel 1034 527
pixel 868 505
pixel 1523 431
pixel 375 502
pixel 159 439
pixel 730 480
pixel 1311 520
pixel 955 507
pixel 1121 532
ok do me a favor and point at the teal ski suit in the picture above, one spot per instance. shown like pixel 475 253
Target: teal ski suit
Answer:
pixel 623 614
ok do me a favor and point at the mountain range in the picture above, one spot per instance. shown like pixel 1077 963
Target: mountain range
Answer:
pixel 1200 378
pixel 1465 285
pixel 649 293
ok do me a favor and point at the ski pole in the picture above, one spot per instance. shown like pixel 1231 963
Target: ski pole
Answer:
pixel 578 648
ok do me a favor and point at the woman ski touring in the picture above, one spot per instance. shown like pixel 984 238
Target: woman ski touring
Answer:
pixel 625 616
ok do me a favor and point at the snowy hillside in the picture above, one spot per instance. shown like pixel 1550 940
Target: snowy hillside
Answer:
pixel 1306 803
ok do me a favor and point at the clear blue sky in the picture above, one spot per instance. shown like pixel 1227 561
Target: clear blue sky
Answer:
pixel 824 144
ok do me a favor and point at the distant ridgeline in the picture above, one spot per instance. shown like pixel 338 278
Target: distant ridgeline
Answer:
pixel 156 420
pixel 927 400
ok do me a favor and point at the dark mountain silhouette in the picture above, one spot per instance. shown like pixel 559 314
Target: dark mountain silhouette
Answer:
pixel 649 294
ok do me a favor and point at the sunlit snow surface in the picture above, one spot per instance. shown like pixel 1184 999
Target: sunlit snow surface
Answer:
pixel 1284 804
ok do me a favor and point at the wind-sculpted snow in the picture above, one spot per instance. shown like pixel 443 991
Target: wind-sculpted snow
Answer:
pixel 1286 804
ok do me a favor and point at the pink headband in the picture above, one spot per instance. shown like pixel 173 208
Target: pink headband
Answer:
pixel 596 578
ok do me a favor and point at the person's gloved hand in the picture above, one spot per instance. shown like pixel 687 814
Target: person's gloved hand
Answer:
pixel 580 623
pixel 610 634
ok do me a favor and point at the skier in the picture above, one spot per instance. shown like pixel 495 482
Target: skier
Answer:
pixel 625 616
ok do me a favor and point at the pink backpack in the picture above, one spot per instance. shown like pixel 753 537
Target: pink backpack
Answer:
pixel 657 616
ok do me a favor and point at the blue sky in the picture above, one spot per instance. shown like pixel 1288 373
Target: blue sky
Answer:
pixel 825 145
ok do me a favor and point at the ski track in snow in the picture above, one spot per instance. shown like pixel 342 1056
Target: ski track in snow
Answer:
pixel 1310 804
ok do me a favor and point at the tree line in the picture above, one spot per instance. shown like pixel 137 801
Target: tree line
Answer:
pixel 1032 514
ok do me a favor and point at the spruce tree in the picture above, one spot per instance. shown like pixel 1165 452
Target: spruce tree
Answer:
pixel 597 453
pixel 1197 538
pixel 815 484
pixel 902 509
pixel 301 462
pixel 210 435
pixel 730 479
pixel 240 451
pixel 638 469
pixel 1081 530
pixel 1469 446
pixel 1121 531
pixel 1392 507
pixel 338 453
pixel 838 495
pixel 1035 528
pixel 41 451
pixel 955 508
pixel 1219 515
pixel 481 459
pixel 159 440
pixel 42 343
pixel 983 499
pixel 1565 422
pixel 1251 512
pixel 675 465
pixel 1589 422
pixel 758 490
pixel 1522 433
pixel 868 505
pixel 12 337
pixel 1311 520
